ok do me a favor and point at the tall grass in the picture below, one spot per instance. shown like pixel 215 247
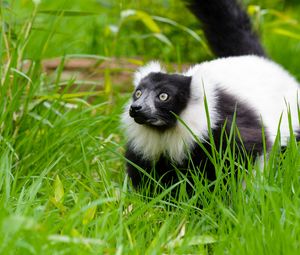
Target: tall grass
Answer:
pixel 62 184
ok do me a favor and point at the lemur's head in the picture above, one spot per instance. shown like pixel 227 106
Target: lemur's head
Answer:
pixel 158 97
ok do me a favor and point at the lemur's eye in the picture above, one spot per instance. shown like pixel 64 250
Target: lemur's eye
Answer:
pixel 163 96
pixel 138 93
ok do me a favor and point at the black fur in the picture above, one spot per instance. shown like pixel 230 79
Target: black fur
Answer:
pixel 176 86
pixel 134 174
pixel 298 136
pixel 247 121
pixel 165 172
pixel 227 27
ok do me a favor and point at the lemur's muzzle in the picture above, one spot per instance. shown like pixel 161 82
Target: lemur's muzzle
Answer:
pixel 140 114
pixel 134 109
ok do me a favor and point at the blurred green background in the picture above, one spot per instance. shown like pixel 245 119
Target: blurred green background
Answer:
pixel 99 27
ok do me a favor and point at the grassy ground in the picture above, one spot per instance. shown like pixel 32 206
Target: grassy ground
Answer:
pixel 63 188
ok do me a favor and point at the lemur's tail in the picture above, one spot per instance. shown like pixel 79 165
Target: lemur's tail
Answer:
pixel 227 27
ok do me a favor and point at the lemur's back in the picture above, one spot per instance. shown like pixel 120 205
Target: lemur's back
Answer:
pixel 263 85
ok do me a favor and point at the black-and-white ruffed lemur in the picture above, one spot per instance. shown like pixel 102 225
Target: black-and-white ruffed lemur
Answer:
pixel 242 85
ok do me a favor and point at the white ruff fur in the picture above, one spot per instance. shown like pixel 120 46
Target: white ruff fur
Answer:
pixel 260 83
pixel 151 67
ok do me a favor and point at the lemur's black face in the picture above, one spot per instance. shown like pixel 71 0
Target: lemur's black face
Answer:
pixel 158 98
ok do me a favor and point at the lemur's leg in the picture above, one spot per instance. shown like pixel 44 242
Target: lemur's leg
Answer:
pixel 135 175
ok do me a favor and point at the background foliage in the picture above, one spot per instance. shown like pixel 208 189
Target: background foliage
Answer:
pixel 96 27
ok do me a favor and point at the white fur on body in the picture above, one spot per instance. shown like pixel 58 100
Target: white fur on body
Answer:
pixel 260 83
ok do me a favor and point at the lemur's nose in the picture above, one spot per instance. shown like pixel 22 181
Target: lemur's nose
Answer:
pixel 135 108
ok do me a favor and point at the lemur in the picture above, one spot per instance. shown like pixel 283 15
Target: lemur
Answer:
pixel 166 120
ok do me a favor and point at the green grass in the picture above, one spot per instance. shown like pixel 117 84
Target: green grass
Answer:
pixel 63 188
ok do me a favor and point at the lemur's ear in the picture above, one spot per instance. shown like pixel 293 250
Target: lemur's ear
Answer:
pixel 151 67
